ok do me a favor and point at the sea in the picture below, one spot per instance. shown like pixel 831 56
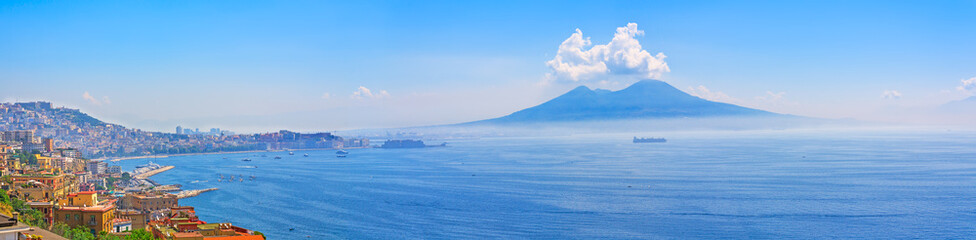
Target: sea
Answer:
pixel 776 184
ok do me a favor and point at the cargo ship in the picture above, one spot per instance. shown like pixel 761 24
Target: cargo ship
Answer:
pixel 649 140
pixel 408 144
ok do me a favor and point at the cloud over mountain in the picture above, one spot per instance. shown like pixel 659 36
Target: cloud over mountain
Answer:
pixel 968 85
pixel 891 94
pixel 623 55
pixel 365 93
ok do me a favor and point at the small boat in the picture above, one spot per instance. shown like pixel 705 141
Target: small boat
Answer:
pixel 341 153
pixel 306 155
pixel 277 157
pixel 246 160
pixel 291 153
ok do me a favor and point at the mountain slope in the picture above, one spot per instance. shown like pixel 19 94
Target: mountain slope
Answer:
pixel 642 100
pixel 964 105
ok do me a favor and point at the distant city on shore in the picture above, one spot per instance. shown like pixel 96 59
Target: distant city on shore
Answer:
pixel 38 124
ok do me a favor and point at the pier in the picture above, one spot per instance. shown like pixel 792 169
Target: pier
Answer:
pixel 149 173
pixel 192 193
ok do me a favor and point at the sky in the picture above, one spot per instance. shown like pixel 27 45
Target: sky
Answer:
pixel 259 66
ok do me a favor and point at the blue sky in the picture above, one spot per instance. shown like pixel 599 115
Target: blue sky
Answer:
pixel 255 66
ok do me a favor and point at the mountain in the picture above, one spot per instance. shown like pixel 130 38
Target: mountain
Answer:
pixel 646 99
pixel 964 105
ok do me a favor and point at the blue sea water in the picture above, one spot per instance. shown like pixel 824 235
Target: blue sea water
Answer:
pixel 699 185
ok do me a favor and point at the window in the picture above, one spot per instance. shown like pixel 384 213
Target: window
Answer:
pixel 67 217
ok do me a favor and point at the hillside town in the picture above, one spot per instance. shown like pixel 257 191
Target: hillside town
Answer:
pixel 57 184
pixel 35 123
pixel 54 193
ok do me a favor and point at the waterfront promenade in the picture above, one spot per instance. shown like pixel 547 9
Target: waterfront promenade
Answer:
pixel 149 173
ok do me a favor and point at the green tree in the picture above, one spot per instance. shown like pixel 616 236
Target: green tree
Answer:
pixel 79 233
pixel 60 228
pixel 140 234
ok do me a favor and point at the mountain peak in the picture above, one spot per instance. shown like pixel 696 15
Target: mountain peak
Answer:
pixel 641 100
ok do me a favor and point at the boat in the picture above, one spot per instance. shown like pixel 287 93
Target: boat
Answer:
pixel 246 160
pixel 403 144
pixel 277 157
pixel 291 153
pixel 649 140
pixel 342 152
pixel 306 155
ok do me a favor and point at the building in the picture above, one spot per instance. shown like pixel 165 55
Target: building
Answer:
pixel 97 167
pixel 179 130
pixel 48 145
pixel 23 136
pixel 43 187
pixel 149 201
pixel 34 106
pixel 10 229
pixel 45 207
pixel 84 209
pixel 136 218
pixel 114 170
pixel 182 224
pixel 121 225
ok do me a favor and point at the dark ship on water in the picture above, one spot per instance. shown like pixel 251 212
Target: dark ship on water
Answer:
pixel 649 140
pixel 408 144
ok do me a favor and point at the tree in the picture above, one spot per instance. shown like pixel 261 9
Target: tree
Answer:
pixel 60 228
pixel 140 234
pixel 79 233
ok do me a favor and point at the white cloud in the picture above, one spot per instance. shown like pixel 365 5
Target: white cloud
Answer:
pixel 622 56
pixel 87 96
pixel 326 96
pixel 365 93
pixel 968 85
pixel 891 94
pixel 703 92
pixel 106 100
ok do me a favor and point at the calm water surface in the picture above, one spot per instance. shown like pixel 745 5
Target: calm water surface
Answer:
pixel 778 184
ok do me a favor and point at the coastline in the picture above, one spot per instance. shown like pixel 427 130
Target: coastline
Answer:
pixel 116 159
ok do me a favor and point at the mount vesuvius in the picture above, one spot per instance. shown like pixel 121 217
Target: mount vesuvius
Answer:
pixel 646 99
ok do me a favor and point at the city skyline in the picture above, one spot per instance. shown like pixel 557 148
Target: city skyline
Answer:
pixel 321 66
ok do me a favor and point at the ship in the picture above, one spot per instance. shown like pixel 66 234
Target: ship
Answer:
pixel 649 140
pixel 408 144
pixel 246 160
pixel 403 144
pixel 277 157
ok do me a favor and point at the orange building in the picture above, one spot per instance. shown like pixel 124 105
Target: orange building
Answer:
pixel 43 187
pixel 149 201
pixel 183 224
pixel 85 209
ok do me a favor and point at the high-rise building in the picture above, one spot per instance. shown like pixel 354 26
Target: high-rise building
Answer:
pixel 48 145
pixel 179 130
